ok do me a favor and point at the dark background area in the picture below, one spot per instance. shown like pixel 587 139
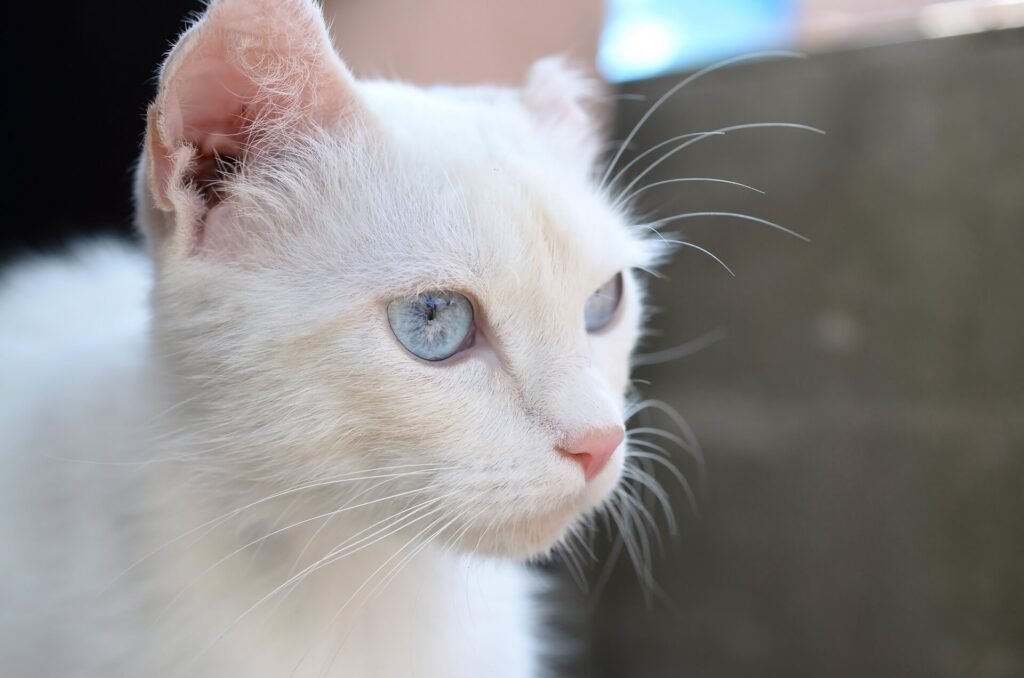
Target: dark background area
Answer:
pixel 863 418
pixel 77 78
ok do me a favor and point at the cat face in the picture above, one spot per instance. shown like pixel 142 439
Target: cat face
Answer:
pixel 354 278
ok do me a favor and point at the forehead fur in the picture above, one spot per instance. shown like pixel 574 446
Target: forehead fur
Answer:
pixel 443 187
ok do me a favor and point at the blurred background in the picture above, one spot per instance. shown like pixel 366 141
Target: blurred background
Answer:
pixel 859 399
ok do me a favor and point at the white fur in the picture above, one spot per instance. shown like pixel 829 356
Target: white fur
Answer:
pixel 264 386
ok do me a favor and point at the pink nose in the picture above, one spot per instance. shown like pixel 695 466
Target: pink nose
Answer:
pixel 593 449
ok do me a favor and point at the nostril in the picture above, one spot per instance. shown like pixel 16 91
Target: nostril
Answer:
pixel 594 448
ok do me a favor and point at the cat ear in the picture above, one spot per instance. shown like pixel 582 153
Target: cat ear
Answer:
pixel 245 74
pixel 565 101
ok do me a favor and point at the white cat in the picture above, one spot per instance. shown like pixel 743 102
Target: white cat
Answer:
pixel 361 375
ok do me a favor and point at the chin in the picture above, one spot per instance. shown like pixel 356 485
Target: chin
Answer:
pixel 522 540
pixel 537 534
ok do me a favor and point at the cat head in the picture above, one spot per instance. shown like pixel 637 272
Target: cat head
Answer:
pixel 425 288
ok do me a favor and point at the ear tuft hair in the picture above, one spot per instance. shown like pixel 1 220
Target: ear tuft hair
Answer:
pixel 247 74
pixel 560 96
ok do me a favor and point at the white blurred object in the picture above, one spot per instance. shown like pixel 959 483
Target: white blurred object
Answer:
pixel 970 16
pixel 646 38
pixel 828 23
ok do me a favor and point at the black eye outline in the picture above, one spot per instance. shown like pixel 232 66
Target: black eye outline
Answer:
pixel 611 290
pixel 425 305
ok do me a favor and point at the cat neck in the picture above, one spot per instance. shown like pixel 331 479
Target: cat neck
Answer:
pixel 395 606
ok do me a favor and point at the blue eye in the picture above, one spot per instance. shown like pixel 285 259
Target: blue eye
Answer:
pixel 433 325
pixel 602 304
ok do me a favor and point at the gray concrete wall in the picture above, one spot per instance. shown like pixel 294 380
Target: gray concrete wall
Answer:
pixel 863 421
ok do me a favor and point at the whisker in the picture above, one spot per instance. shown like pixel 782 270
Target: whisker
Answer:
pixel 330 558
pixel 269 535
pixel 694 136
pixel 389 577
pixel 626 532
pixel 671 437
pixel 683 83
pixel 571 562
pixel 686 243
pixel 735 215
pixel 691 498
pixel 585 533
pixel 328 661
pixel 700 137
pixel 682 180
pixel 606 572
pixel 677 419
pixel 273 526
pixel 323 525
pixel 688 348
pixel 642 512
pixel 348 546
pixel 344 478
pixel 646 479
pixel 424 544
pixel 309 542
pixel 637 529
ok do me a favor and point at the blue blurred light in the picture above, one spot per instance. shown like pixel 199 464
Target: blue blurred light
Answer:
pixel 646 38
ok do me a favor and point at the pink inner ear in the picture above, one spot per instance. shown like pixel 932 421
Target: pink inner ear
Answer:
pixel 556 93
pixel 244 61
pixel 270 53
pixel 209 110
